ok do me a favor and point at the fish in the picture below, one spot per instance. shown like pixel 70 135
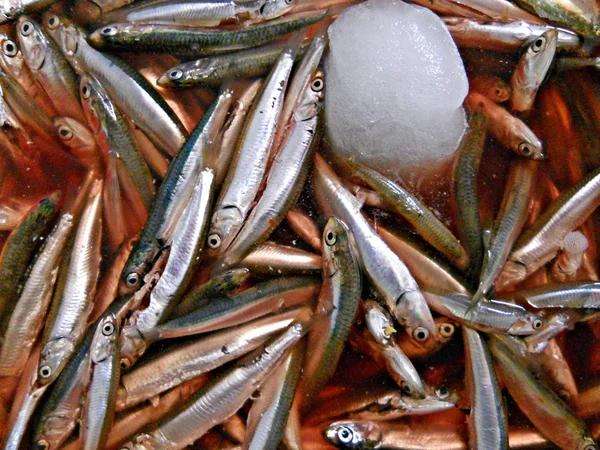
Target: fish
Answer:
pixel 26 320
pixel 72 301
pixel 264 298
pixel 506 37
pixel 113 210
pixel 508 224
pixel 464 189
pixel 194 42
pixel 247 170
pixel 550 415
pixel 490 86
pixel 205 14
pixel 487 316
pixel 287 175
pixel 510 131
pixel 126 87
pixel 531 71
pixel 213 70
pixel 304 226
pixel 540 242
pixel 385 350
pixel 99 408
pixel 575 294
pixel 488 421
pixel 110 130
pixel 269 412
pixel 335 312
pixel 387 272
pixel 172 195
pixel 229 392
pixel 19 248
pixel 410 207
pixel 184 256
pixel 196 357
pixel 80 140
pixel 49 67
pixel 566 13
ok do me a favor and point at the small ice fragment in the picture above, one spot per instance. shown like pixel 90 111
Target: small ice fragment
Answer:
pixel 395 87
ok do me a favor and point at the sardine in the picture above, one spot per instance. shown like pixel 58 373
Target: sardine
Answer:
pixel 99 408
pixel 286 177
pixel 531 71
pixel 507 129
pixel 220 399
pixel 335 312
pixel 566 13
pixel 20 247
pixel 576 294
pixel 249 166
pixel 488 422
pixel 508 224
pixel 50 69
pixel 276 259
pixel 186 41
pixel 80 141
pixel 488 316
pixel 539 243
pixel 304 226
pixel 550 415
pixel 464 189
pixel 409 206
pixel 65 327
pixel 125 86
pixel 386 271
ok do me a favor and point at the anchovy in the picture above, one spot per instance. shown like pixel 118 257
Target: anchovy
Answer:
pixel 490 86
pixel 80 141
pixel 388 273
pixel 488 316
pixel 335 311
pixel 566 13
pixel 186 41
pixel 488 422
pixel 577 294
pixel 271 258
pixel 304 226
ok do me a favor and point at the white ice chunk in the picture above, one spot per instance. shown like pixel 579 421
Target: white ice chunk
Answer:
pixel 395 87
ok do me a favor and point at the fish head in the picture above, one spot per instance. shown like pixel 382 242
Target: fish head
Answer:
pixel 183 75
pixel 527 324
pixel 275 8
pixel 379 322
pixel 12 58
pixel 335 245
pixel 100 36
pixel 132 345
pixel 502 90
pixel 96 103
pixel 312 98
pixel 414 314
pixel 526 144
pixel 126 32
pixel 53 430
pixel 225 225
pixel 446 329
pixel 53 358
pixel 33 41
pixel 104 343
pixel 353 434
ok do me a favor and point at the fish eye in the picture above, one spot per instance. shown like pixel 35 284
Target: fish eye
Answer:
pixel 108 329
pixel 538 44
pixel 42 444
pixel 53 22
pixel 406 387
pixel 330 238
pixel 442 392
pixel 214 241
pixel 125 364
pixel 525 149
pixel 175 74
pixel 86 91
pixel 45 371
pixel 132 279
pixel 289 2
pixel 446 329
pixel 317 84
pixel 109 31
pixel 345 435
pixel 65 133
pixel 9 48
pixel 537 324
pixel 420 334
pixel 26 28
pixel 498 92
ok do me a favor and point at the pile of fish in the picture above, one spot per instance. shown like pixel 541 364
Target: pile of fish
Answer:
pixel 199 259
